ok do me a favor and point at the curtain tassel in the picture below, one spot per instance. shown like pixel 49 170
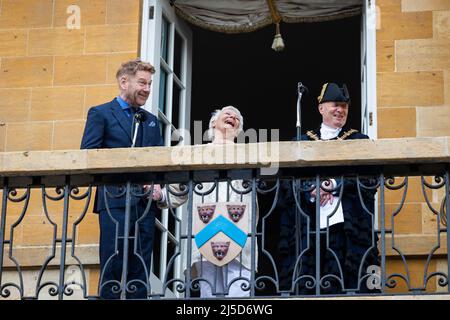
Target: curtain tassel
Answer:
pixel 278 43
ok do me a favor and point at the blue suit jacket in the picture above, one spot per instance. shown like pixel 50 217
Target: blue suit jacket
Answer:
pixel 107 126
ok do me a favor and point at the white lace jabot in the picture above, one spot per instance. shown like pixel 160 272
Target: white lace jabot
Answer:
pixel 327 132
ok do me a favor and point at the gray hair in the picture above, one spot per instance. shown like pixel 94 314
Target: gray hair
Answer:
pixel 215 115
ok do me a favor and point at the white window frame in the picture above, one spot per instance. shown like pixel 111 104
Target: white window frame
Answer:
pixel 152 18
pixel 369 70
pixel 151 51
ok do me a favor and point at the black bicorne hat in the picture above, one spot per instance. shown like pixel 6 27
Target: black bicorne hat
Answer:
pixel 332 93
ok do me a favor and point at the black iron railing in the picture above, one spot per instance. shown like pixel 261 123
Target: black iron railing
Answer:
pixel 293 251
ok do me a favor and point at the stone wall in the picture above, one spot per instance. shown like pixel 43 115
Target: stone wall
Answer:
pixel 413 83
pixel 51 75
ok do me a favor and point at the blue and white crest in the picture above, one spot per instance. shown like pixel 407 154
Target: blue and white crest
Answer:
pixel 220 230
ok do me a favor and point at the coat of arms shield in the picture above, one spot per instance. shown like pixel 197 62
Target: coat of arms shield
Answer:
pixel 220 230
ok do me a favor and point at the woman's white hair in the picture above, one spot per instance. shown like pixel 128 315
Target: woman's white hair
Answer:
pixel 215 115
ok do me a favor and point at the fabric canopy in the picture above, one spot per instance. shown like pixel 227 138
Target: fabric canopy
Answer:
pixel 235 16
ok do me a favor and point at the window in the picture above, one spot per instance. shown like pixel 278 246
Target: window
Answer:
pixel 166 42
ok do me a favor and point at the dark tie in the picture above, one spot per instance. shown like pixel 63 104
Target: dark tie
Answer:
pixel 130 112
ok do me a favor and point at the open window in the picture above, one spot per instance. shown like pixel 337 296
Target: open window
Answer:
pixel 336 44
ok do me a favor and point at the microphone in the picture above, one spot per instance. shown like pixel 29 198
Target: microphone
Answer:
pixel 139 117
pixel 301 88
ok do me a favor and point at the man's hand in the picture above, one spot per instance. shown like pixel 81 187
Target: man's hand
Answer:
pixel 157 193
pixel 325 196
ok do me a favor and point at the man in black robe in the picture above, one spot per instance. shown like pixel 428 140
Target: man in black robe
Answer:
pixel 348 244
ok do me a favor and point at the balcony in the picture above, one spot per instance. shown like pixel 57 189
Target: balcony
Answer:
pixel 49 235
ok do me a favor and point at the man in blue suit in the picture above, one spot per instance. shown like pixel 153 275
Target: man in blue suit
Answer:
pixel 112 125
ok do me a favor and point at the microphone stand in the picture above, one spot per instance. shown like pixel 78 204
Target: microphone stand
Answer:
pixel 138 117
pixel 298 245
pixel 300 90
pixel 136 128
